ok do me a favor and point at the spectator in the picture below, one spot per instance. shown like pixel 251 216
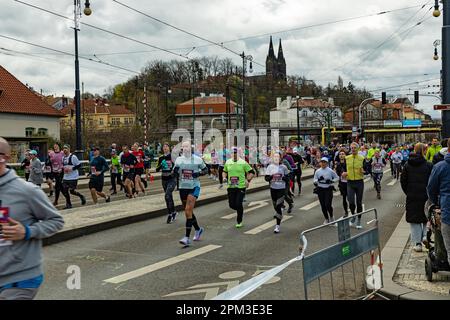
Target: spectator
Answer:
pixel 433 149
pixel 27 217
pixel 438 157
pixel 36 174
pixel 439 193
pixel 414 181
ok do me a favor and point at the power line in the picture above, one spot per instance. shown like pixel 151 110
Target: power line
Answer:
pixel 182 30
pixel 403 85
pixel 66 53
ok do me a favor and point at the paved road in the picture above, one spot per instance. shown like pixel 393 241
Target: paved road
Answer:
pixel 143 254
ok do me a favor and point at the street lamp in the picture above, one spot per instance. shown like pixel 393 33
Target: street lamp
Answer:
pixel 77 15
pixel 244 67
pixel 436 12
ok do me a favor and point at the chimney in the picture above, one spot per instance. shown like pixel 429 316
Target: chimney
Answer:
pixel 278 103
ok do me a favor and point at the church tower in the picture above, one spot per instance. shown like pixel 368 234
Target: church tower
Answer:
pixel 271 61
pixel 281 64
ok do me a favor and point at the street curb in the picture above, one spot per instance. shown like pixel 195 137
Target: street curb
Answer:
pixel 391 255
pixel 102 226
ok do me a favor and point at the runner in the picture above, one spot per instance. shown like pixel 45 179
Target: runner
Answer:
pixel 189 167
pixel 128 161
pixel 138 168
pixel 238 174
pixel 298 171
pixel 36 174
pixel 116 172
pixel 56 160
pixel 288 196
pixel 71 164
pixel 396 160
pixel 341 167
pixel 165 164
pixel 323 180
pixel 378 164
pixel 277 175
pixel 98 167
pixel 25 165
pixel 48 175
pixel 355 182
pixel 149 154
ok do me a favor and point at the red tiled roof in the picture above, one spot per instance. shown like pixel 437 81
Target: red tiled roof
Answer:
pixel 17 98
pixel 90 108
pixel 207 100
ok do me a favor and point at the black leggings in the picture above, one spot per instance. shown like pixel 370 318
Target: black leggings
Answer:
pixel 58 185
pixel 278 196
pixel 326 202
pixel 343 190
pixel 220 175
pixel 355 191
pixel 298 178
pixel 235 200
pixel 116 179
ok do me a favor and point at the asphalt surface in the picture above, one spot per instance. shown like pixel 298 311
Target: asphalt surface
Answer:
pixel 229 255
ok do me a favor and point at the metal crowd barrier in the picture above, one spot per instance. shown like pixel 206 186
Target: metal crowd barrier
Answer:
pixel 345 252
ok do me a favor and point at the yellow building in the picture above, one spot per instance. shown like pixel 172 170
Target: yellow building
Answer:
pixel 99 115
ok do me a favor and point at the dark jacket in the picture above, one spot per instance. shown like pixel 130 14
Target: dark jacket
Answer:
pixel 439 187
pixel 414 180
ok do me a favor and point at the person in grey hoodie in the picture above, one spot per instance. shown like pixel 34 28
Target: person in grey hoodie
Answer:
pixel 36 173
pixel 26 217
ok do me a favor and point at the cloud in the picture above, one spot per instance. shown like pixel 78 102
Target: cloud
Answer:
pixel 316 52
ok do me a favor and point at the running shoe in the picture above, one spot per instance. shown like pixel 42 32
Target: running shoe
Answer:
pixel 108 199
pixel 83 200
pixel 198 234
pixel 169 218
pixel 239 225
pixel 185 241
pixel 174 216
pixel 290 208
pixel 277 229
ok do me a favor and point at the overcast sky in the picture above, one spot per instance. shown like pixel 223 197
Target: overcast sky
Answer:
pixel 350 49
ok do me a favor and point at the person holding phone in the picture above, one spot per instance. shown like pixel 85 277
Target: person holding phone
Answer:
pixel 26 217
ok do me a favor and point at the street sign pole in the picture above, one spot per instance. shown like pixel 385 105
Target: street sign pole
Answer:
pixel 446 69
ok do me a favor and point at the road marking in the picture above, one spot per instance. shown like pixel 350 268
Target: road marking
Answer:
pixel 315 203
pixel 254 206
pixel 394 181
pixel 265 226
pixel 162 264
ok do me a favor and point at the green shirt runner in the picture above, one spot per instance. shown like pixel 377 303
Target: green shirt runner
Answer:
pixel 237 171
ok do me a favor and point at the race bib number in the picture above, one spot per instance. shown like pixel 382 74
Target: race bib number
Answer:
pixel 48 169
pixel 114 170
pixel 169 164
pixel 93 170
pixel 187 174
pixel 139 159
pixel 126 168
pixel 276 177
pixel 343 180
pixel 67 169
pixel 234 181
pixel 27 169
pixel 4 215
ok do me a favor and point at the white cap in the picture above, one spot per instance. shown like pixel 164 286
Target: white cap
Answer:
pixel 324 159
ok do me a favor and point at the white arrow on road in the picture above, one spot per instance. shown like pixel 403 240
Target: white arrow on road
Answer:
pixel 254 205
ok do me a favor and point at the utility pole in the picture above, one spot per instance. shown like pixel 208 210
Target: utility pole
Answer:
pixel 446 68
pixel 298 117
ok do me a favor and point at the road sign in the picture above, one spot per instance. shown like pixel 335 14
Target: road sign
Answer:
pixel 442 107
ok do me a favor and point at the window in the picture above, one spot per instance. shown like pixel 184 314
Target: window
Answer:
pixel 42 131
pixel 304 113
pixel 389 113
pixel 115 121
pixel 100 121
pixel 29 132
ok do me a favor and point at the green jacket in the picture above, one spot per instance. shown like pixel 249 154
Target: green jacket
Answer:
pixel 116 163
pixel 432 150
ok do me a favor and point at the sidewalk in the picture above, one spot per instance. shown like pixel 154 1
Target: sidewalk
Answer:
pixel 90 219
pixel 404 270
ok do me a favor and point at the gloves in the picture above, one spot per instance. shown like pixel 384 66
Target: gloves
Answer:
pixel 195 175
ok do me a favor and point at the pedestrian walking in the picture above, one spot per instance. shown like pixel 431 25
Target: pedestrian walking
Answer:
pixel 36 172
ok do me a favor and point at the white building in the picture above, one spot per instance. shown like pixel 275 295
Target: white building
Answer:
pixel 26 121
pixel 313 113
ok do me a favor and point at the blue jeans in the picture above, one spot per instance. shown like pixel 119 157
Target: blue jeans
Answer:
pixel 418 232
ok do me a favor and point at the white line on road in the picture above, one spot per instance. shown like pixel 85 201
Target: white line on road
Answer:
pixel 315 203
pixel 265 226
pixel 392 182
pixel 162 264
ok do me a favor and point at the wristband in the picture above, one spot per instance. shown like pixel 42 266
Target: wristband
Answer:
pixel 27 233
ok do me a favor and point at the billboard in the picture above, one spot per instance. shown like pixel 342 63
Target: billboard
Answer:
pixel 392 123
pixel 412 123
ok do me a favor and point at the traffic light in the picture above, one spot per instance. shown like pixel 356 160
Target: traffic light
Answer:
pixel 383 98
pixel 416 97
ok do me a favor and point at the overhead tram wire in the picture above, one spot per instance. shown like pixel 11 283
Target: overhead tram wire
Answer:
pixel 239 39
pixel 182 30
pixel 402 85
pixel 67 53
